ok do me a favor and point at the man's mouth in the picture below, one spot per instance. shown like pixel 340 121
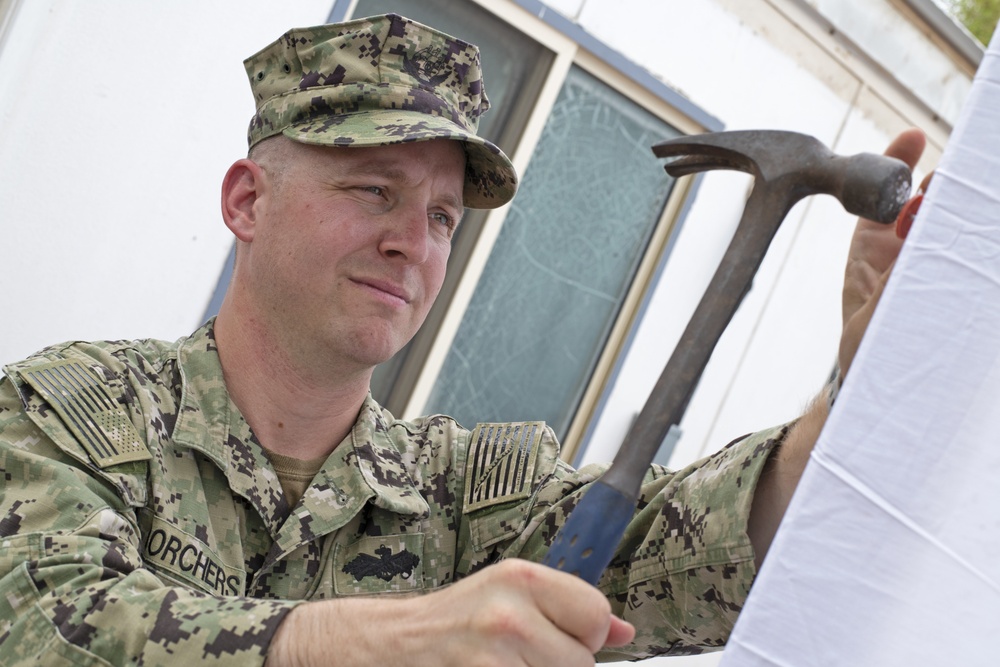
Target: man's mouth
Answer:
pixel 386 289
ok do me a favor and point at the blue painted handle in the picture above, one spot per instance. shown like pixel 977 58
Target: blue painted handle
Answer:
pixel 587 541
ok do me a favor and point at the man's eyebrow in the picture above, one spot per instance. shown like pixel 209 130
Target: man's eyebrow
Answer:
pixel 377 168
pixel 455 203
pixel 386 170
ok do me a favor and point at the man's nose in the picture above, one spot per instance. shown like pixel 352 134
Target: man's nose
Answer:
pixel 406 234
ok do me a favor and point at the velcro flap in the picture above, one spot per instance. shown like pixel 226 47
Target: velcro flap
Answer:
pixel 501 463
pixel 86 407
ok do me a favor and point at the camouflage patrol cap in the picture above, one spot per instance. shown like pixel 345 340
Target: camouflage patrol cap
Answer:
pixel 377 81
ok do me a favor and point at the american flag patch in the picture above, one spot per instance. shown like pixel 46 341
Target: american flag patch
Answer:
pixel 501 463
pixel 85 406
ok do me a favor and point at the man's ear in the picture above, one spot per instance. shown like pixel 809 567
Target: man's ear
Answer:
pixel 241 188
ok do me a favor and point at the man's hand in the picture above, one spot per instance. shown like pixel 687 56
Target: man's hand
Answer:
pixel 873 251
pixel 511 614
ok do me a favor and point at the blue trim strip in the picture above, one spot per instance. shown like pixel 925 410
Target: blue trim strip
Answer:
pixel 212 309
pixel 338 12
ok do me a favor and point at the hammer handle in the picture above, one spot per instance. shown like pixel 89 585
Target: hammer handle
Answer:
pixel 587 541
pixel 764 212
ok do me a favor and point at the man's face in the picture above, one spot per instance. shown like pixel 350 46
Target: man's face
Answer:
pixel 350 247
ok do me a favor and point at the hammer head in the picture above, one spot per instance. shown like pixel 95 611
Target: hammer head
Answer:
pixel 796 165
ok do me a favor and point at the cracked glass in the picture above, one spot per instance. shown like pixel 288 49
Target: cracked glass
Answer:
pixel 555 282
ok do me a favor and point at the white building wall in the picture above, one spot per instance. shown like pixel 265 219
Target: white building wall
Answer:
pixel 763 64
pixel 119 121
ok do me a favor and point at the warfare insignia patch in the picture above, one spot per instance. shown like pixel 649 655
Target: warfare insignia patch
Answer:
pixel 86 407
pixel 386 566
pixel 501 463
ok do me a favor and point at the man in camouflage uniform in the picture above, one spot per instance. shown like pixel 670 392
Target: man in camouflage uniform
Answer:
pixel 238 496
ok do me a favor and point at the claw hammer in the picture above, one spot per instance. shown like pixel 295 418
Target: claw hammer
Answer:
pixel 786 166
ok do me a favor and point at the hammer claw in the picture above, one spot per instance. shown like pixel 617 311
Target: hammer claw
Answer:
pixel 693 164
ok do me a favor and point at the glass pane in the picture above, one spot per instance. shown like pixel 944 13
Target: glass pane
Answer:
pixel 562 265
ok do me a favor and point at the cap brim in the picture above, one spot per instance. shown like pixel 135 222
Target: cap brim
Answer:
pixel 490 179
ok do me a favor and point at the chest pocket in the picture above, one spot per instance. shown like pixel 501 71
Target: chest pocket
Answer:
pixel 382 564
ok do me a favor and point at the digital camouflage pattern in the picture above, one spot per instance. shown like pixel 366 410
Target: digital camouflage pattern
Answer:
pixel 377 81
pixel 190 553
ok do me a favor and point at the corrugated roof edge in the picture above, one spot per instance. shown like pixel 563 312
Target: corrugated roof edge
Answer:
pixel 951 31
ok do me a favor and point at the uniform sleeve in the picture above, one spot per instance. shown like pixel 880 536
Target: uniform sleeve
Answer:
pixel 73 588
pixel 685 564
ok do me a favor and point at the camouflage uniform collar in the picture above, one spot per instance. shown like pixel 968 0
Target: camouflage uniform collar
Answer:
pixel 209 422
pixel 382 463
pixel 365 468
pixel 205 405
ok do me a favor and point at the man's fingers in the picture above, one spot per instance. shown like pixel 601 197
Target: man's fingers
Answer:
pixel 908 146
pixel 874 245
pixel 620 633
pixel 542 615
pixel 855 328
pixel 576 607
pixel 591 622
pixel 588 619
pixel 925 183
pixel 905 218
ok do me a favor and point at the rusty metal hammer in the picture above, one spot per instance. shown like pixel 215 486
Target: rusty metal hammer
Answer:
pixel 786 166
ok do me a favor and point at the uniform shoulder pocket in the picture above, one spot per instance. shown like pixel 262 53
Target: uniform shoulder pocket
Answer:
pixel 500 464
pixel 88 410
pixel 506 463
pixel 81 415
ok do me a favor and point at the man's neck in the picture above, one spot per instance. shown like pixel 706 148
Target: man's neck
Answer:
pixel 294 410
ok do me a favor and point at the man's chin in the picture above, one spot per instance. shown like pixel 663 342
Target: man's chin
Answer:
pixel 372 350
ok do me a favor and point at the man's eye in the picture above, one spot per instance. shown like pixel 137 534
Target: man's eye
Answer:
pixel 374 189
pixel 444 219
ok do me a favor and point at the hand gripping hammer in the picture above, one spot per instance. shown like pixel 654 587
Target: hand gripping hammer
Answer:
pixel 786 166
